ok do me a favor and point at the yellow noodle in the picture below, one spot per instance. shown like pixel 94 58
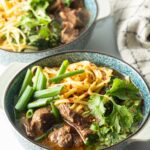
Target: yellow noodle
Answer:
pixel 10 14
pixel 78 88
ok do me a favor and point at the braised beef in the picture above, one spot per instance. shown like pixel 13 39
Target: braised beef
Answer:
pixel 77 141
pixel 72 21
pixel 77 17
pixel 42 120
pixel 68 33
pixel 65 137
pixel 77 4
pixel 27 127
pixel 57 5
pixel 76 121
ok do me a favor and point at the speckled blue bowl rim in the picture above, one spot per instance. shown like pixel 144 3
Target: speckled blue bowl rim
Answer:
pixel 63 45
pixel 77 51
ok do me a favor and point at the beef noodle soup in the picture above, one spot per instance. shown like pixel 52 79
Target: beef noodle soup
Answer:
pixel 40 24
pixel 77 106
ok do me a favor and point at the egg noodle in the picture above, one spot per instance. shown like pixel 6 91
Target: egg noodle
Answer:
pixel 11 37
pixel 78 88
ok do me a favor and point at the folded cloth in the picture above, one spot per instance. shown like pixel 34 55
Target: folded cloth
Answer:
pixel 133 22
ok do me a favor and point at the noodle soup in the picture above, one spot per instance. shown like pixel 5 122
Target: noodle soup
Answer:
pixel 29 25
pixel 77 106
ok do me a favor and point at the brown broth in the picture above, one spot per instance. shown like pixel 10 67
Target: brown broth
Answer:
pixel 46 142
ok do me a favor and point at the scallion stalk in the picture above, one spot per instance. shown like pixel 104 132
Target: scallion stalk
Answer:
pixel 24 99
pixel 27 81
pixel 55 111
pixel 41 102
pixel 29 113
pixel 51 92
pixel 69 74
pixel 38 70
pixel 63 67
pixel 41 83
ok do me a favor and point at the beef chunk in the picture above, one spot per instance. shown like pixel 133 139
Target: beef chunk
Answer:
pixel 76 121
pixel 77 17
pixel 27 127
pixel 62 136
pixel 65 137
pixel 57 6
pixel 42 120
pixel 68 33
pixel 77 140
pixel 72 21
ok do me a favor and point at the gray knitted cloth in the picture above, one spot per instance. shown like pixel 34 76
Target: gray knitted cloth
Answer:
pixel 133 22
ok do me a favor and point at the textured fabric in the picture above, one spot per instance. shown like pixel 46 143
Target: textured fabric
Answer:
pixel 133 22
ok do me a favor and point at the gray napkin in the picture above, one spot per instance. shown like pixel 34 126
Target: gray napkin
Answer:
pixel 133 22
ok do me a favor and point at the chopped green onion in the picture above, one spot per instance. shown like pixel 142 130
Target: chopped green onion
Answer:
pixel 55 111
pixel 51 92
pixel 63 67
pixel 27 81
pixel 43 135
pixel 29 113
pixel 36 77
pixel 41 83
pixel 41 102
pixel 24 99
pixel 69 74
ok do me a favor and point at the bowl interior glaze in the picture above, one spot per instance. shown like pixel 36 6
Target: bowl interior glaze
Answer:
pixel 75 56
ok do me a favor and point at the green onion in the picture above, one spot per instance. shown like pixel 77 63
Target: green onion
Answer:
pixel 69 74
pixel 51 92
pixel 24 99
pixel 41 102
pixel 63 67
pixel 36 77
pixel 41 83
pixel 43 135
pixel 27 81
pixel 29 113
pixel 55 111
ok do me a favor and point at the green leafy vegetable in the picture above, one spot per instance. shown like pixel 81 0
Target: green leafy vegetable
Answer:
pixel 41 30
pixel 123 89
pixel 120 118
pixel 97 107
pixel 67 2
pixel 119 123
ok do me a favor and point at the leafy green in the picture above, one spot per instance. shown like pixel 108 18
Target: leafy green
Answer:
pixel 123 89
pixel 120 118
pixel 41 30
pixel 116 125
pixel 68 2
pixel 97 107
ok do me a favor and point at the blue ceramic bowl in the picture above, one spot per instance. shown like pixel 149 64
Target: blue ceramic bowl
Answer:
pixel 79 43
pixel 75 56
